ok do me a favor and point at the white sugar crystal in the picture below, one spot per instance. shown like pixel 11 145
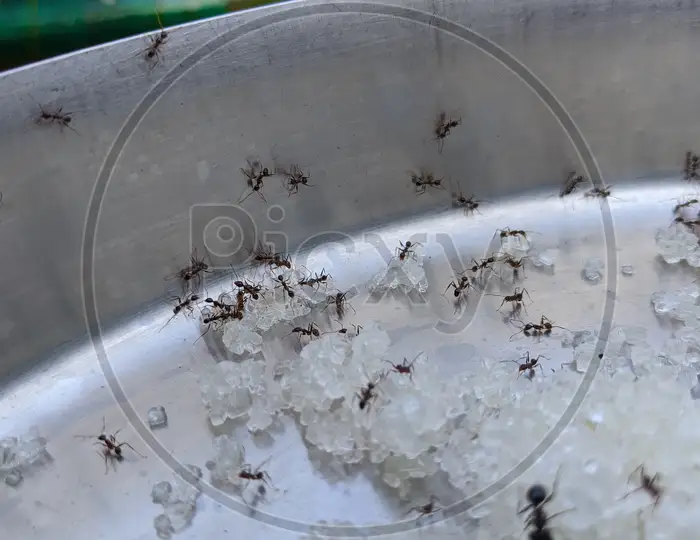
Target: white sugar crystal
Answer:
pixel 677 243
pixel 14 477
pixel 226 465
pixel 545 259
pixel 593 270
pixel 407 275
pixel 240 338
pixel 163 527
pixel 157 417
pixel 627 270
pixel 179 501
pixel 160 494
pixel 18 455
pixel 223 392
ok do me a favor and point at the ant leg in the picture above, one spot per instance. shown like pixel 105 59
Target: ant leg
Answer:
pixel 641 471
pixel 635 490
pixel 554 488
pixel 132 449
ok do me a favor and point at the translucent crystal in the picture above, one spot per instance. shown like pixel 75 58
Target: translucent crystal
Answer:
pixel 678 243
pixel 13 477
pixel 163 527
pixel 226 465
pixel 179 501
pixel 20 454
pixel 544 260
pixel 407 275
pixel 593 270
pixel 157 417
pixel 223 391
pixel 239 338
pixel 160 494
pixel 627 270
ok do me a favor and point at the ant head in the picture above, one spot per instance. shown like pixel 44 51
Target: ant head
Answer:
pixel 265 171
pixel 536 494
pixel 280 278
pixel 150 54
pixel 255 296
pixel 102 437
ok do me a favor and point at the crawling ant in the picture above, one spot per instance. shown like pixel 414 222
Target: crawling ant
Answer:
pixel 255 173
pixel 63 119
pixel 424 180
pixel 254 291
pixel 406 250
pixel 515 264
pixel 283 283
pixel 404 368
pixel 528 365
pixel 600 193
pixel 690 169
pixel 483 265
pixel 258 475
pixel 469 204
pixel 368 393
pixel 685 204
pixel 689 223
pixel 111 449
pixel 295 178
pixel 221 306
pixel 459 288
pixel 181 305
pixel 340 301
pixel 648 484
pixel 356 327
pixel 572 182
pixel 537 498
pixel 425 509
pixel 311 331
pixel 194 271
pixel 153 51
pixel 505 233
pixel 273 260
pixel 316 280
pixel 516 299
pixel 544 328
pixel 443 127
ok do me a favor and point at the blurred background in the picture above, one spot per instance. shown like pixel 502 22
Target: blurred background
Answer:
pixel 32 30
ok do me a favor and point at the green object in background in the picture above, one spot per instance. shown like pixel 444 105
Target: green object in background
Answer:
pixel 32 30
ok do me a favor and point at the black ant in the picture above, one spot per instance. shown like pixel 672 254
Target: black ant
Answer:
pixel 254 291
pixel 258 475
pixel 515 264
pixel 483 265
pixel 316 280
pixel 63 119
pixel 273 260
pixel 689 223
pixel 367 393
pixel 469 204
pixel 311 331
pixel 425 509
pixel 111 449
pixel 505 233
pixel 356 327
pixel 459 288
pixel 423 180
pixel 443 127
pixel 544 328
pixel 516 299
pixel 255 173
pixel 648 484
pixel 685 204
pixel 406 250
pixel 537 498
pixel 194 271
pixel 572 182
pixel 600 193
pixel 690 169
pixel 283 283
pixel 404 368
pixel 295 178
pixel 528 365
pixel 181 305
pixel 156 44
pixel 339 300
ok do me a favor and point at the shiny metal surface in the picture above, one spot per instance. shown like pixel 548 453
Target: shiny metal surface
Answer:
pixel 351 96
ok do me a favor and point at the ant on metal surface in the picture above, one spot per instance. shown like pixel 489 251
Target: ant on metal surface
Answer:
pixel 544 328
pixel 153 51
pixel 648 484
pixel 63 119
pixel 690 168
pixel 600 193
pixel 255 173
pixel 367 393
pixel 470 204
pixel 316 280
pixel 273 260
pixel 537 497
pixel 182 305
pixel 111 449
pixel 483 265
pixel 459 288
pixel 406 249
pixel 572 182
pixel 295 178
pixel 356 327
pixel 194 271
pixel 339 300
pixel 283 283
pixel 685 204
pixel 425 509
pixel 424 180
pixel 516 299
pixel 404 368
pixel 528 365
pixel 443 127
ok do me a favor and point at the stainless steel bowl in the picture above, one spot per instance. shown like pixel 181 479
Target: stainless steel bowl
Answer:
pixel 95 217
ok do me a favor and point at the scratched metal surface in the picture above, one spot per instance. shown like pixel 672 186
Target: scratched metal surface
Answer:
pixel 349 91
